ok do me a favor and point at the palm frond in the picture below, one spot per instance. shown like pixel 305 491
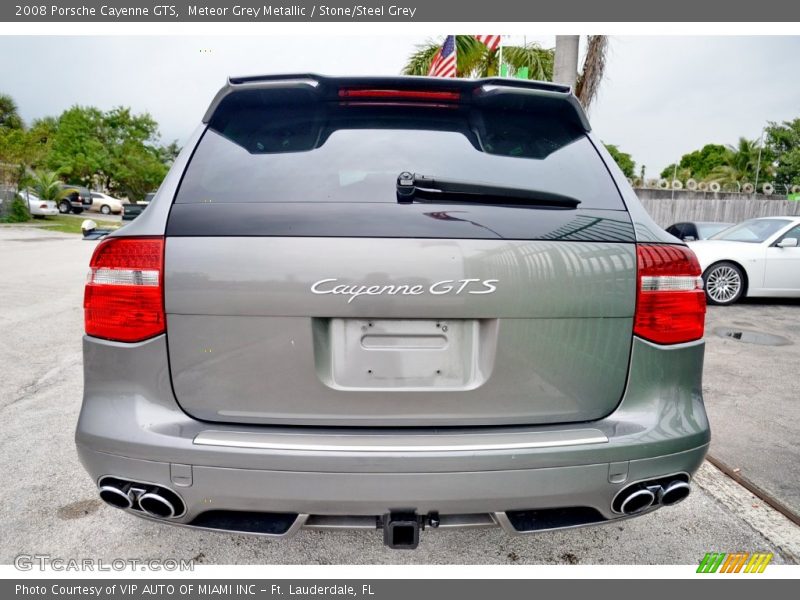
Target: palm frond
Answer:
pixel 473 58
pixel 47 186
pixel 594 66
pixel 419 63
pixel 538 60
pixel 726 174
pixel 9 113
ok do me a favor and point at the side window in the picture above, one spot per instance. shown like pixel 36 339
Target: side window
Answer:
pixel 675 230
pixel 690 230
pixel 794 232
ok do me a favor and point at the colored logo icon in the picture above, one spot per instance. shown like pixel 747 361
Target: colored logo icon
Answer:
pixel 737 562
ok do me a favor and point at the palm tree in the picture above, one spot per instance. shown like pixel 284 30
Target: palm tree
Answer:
pixel 566 55
pixel 727 175
pixel 594 65
pixel 419 63
pixel 474 59
pixel 744 156
pixel 46 185
pixel 539 61
pixel 9 113
pixel 740 164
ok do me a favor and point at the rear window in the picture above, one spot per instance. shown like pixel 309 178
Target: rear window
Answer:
pixel 706 230
pixel 334 153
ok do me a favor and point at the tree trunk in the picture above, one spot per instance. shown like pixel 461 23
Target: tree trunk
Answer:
pixel 565 68
pixel 594 66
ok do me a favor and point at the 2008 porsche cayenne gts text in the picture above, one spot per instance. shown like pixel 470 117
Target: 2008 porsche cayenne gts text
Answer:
pixel 393 303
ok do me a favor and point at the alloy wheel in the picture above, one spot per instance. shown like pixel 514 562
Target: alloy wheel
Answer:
pixel 724 284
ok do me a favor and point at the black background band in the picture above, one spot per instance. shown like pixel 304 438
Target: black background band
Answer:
pixel 445 11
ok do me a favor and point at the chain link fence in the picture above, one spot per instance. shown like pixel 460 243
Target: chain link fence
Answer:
pixel 9 178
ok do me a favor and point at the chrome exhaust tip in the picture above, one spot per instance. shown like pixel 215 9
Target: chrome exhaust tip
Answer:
pixel 637 501
pixel 675 492
pixel 156 505
pixel 118 497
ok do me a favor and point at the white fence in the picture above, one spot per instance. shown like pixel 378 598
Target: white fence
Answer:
pixel 668 206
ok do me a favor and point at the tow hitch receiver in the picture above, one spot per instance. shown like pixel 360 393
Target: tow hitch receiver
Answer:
pixel 401 529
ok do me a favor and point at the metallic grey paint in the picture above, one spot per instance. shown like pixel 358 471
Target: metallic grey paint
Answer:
pixel 131 426
pixel 553 339
pixel 562 321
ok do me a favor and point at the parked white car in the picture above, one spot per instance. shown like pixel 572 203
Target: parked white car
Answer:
pixel 38 207
pixel 756 258
pixel 105 204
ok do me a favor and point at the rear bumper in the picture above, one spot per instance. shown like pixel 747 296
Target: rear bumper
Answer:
pixel 460 498
pixel 131 428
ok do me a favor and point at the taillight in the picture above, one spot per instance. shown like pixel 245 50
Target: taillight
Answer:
pixel 391 94
pixel 123 300
pixel 670 302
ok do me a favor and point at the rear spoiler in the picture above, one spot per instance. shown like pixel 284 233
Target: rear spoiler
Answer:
pixel 523 94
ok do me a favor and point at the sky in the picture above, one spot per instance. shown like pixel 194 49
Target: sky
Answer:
pixel 661 97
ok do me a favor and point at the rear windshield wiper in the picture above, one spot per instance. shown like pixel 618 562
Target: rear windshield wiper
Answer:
pixel 413 187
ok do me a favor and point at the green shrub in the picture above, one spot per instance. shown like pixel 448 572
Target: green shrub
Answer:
pixel 18 212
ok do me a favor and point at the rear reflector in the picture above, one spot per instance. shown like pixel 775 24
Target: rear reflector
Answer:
pixel 670 302
pixel 373 93
pixel 123 299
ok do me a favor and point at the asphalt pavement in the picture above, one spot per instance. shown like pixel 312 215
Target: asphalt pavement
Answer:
pixel 48 504
pixel 752 394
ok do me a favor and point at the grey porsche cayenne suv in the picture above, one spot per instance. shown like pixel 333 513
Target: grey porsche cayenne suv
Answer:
pixel 397 304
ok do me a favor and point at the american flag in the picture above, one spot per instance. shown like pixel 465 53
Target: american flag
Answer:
pixel 444 63
pixel 491 41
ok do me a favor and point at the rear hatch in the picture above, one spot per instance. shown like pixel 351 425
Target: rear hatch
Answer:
pixel 305 284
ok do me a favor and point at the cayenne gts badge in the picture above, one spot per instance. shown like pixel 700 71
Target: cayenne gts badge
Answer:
pixel 439 288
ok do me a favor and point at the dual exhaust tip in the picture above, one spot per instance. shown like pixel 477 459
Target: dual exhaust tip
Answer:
pixel 154 501
pixel 640 497
pixel 162 503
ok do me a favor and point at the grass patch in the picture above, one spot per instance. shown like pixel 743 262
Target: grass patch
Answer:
pixel 71 224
